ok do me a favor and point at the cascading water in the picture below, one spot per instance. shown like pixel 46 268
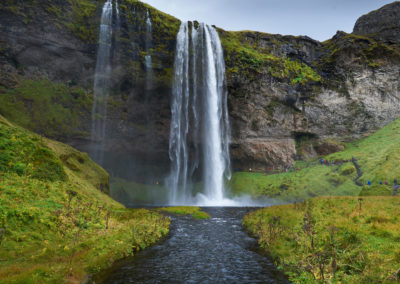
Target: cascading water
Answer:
pixel 199 103
pixel 178 152
pixel 216 152
pixel 101 87
pixel 117 9
pixel 148 44
pixel 101 84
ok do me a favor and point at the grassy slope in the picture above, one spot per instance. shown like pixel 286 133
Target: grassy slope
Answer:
pixel 377 156
pixel 330 238
pixel 55 217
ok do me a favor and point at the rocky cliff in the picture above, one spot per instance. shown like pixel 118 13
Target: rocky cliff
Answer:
pixel 289 97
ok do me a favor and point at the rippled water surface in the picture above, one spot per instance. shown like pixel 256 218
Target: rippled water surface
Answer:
pixel 216 250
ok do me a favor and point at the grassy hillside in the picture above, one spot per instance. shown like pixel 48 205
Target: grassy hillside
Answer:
pixel 55 223
pixel 377 157
pixel 332 239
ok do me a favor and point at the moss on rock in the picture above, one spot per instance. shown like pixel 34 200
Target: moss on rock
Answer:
pixel 53 110
pixel 249 59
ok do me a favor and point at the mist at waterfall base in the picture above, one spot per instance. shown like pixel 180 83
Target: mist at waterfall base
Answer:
pixel 199 168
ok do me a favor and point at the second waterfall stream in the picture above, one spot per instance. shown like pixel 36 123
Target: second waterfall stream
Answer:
pixel 200 131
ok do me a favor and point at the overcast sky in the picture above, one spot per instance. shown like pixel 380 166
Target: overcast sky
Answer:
pixel 318 19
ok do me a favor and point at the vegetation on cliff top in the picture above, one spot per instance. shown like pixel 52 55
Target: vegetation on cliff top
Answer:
pixel 332 239
pixel 245 58
pixel 365 50
pixel 57 226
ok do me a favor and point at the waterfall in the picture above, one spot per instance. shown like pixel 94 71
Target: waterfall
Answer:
pixel 148 45
pixel 117 9
pixel 199 103
pixel 101 87
pixel 178 151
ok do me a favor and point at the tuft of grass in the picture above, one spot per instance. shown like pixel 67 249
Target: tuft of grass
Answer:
pixel 332 239
pixel 186 210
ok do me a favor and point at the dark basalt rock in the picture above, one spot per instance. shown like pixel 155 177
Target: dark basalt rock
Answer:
pixel 382 24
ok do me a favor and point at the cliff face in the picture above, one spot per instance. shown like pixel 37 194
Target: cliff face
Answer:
pixel 382 24
pixel 289 97
pixel 306 97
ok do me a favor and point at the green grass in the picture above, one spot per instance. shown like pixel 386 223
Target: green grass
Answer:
pixel 59 227
pixel 376 190
pixel 297 185
pixel 45 107
pixel 187 210
pixel 331 239
pixel 377 156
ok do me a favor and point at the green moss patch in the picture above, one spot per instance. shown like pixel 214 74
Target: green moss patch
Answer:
pixel 246 59
pixel 53 110
pixel 187 210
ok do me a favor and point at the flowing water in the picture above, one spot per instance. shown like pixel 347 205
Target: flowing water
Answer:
pixel 199 135
pixel 102 84
pixel 148 59
pixel 216 250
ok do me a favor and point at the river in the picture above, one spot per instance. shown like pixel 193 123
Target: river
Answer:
pixel 215 250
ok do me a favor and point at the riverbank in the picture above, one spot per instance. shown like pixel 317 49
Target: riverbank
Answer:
pixel 333 239
pixel 56 225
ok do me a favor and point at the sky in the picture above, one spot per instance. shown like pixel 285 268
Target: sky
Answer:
pixel 318 19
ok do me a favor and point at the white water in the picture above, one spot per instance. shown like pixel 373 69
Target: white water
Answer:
pixel 199 104
pixel 101 84
pixel 117 9
pixel 148 45
pixel 178 153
